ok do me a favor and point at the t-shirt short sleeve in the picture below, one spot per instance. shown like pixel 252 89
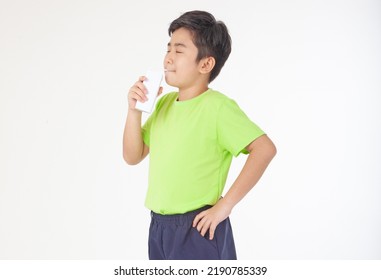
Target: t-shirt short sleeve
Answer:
pixel 235 130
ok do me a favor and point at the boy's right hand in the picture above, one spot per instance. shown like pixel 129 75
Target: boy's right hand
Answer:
pixel 138 92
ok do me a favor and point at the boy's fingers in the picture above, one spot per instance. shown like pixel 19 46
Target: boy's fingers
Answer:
pixel 205 228
pixel 141 86
pixel 212 228
pixel 197 219
pixel 140 89
pixel 200 225
pixel 138 94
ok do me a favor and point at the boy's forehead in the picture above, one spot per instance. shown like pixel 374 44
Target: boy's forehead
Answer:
pixel 181 37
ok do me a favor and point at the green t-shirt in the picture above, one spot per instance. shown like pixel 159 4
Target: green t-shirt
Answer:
pixel 191 147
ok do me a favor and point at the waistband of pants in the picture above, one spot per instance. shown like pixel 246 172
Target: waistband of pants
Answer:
pixel 178 218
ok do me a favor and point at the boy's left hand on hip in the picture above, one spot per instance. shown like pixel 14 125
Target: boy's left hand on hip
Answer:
pixel 210 218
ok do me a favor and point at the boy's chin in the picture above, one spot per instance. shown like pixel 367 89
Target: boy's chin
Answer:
pixel 171 83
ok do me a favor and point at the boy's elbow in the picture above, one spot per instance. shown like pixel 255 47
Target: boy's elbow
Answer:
pixel 132 156
pixel 272 150
pixel 130 160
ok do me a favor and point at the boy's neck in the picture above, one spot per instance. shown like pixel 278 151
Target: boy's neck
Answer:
pixel 192 92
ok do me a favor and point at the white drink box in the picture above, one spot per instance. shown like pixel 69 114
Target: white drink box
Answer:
pixel 152 84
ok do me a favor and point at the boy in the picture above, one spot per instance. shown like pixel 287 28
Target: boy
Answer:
pixel 191 137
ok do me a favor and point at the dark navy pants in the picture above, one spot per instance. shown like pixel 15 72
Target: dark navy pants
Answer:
pixel 172 237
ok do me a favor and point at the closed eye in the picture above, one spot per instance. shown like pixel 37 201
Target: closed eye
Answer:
pixel 168 51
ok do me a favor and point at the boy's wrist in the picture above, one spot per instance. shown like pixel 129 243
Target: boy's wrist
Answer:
pixel 134 112
pixel 227 203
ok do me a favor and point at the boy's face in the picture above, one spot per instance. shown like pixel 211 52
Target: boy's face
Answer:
pixel 182 69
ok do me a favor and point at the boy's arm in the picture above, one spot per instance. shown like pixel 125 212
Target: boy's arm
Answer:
pixel 134 149
pixel 262 150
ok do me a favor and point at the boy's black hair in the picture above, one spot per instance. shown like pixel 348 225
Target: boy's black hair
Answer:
pixel 211 37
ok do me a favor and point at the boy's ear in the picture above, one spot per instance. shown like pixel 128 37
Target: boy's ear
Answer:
pixel 207 64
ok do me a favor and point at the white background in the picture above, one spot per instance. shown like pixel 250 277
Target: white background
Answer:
pixel 307 72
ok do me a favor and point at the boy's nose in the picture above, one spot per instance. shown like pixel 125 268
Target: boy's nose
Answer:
pixel 168 59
